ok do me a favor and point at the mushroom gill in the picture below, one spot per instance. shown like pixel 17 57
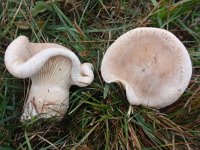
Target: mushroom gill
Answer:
pixel 52 69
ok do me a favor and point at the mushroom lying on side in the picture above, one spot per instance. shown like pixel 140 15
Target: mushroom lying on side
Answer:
pixel 52 69
pixel 152 64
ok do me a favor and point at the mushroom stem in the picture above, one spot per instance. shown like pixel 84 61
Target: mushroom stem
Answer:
pixel 52 69
pixel 50 101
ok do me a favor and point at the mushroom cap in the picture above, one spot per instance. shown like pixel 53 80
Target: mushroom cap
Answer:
pixel 52 69
pixel 152 64
pixel 24 59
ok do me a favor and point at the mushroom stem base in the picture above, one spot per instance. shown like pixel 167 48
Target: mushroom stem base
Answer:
pixel 46 102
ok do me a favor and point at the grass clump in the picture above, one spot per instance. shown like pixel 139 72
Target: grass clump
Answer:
pixel 99 116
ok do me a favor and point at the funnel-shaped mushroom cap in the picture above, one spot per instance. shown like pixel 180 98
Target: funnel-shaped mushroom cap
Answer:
pixel 152 64
pixel 52 69
pixel 24 59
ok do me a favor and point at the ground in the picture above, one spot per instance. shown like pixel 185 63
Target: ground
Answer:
pixel 98 116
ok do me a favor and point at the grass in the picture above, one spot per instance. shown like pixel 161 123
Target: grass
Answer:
pixel 99 116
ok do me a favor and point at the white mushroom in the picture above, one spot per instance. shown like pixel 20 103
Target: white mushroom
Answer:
pixel 152 64
pixel 52 69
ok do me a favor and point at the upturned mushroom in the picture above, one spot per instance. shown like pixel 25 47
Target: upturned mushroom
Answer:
pixel 52 69
pixel 152 64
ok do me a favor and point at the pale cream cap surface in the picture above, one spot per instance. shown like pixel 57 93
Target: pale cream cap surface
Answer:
pixel 151 63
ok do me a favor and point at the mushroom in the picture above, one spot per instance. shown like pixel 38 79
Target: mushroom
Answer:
pixel 152 64
pixel 52 69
